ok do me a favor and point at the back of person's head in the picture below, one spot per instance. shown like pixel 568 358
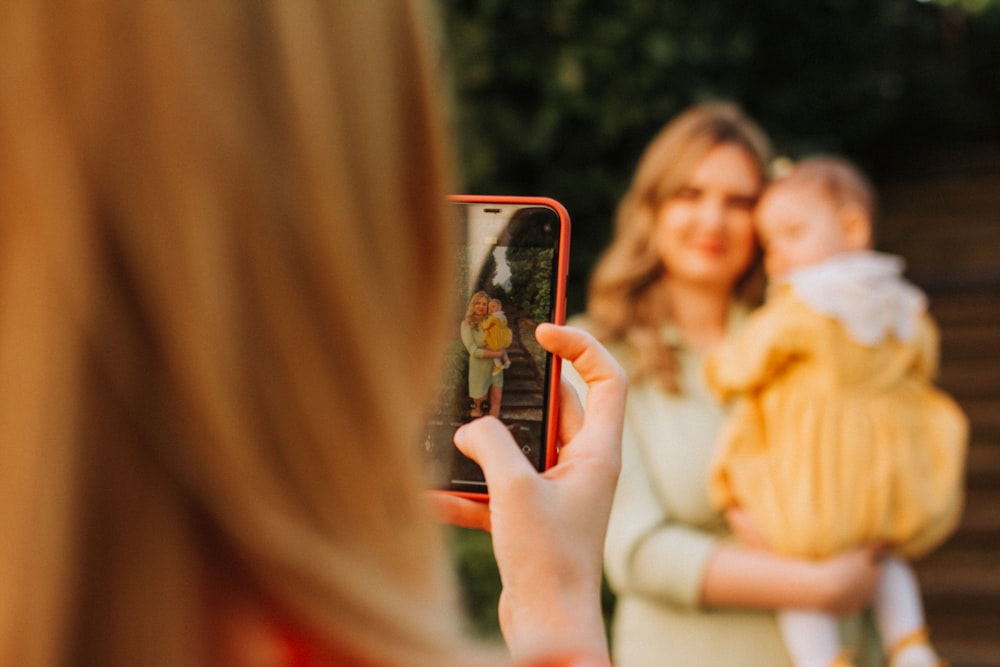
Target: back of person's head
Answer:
pixel 212 212
pixel 624 296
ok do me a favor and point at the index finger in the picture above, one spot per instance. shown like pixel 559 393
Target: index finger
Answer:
pixel 460 512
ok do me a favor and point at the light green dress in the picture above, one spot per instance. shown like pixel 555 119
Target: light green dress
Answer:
pixel 481 376
pixel 663 531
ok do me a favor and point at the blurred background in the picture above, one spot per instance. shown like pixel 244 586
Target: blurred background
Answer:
pixel 559 98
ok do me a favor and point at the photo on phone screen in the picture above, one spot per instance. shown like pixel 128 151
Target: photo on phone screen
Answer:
pixel 512 264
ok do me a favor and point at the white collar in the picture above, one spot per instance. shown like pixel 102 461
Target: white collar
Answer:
pixel 865 291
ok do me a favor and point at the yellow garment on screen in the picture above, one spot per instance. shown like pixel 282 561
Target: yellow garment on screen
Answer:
pixel 498 334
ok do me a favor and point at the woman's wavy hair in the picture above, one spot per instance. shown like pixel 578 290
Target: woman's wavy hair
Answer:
pixel 626 301
pixel 210 211
pixel 470 313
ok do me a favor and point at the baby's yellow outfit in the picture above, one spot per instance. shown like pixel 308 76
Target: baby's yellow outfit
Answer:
pixel 839 437
pixel 498 334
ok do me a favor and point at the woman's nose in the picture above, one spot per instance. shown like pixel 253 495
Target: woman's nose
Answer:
pixel 712 212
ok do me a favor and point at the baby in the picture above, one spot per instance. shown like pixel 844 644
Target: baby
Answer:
pixel 498 334
pixel 838 437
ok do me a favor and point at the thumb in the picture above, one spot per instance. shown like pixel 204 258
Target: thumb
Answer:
pixel 488 442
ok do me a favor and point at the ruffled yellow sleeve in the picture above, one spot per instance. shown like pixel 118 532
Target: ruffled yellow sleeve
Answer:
pixel 926 366
pixel 772 336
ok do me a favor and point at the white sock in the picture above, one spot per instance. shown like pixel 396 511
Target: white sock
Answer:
pixel 899 613
pixel 917 655
pixel 811 637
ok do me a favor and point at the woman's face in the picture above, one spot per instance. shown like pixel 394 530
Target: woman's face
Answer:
pixel 479 307
pixel 704 233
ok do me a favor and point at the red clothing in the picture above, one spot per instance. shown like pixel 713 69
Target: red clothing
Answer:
pixel 299 651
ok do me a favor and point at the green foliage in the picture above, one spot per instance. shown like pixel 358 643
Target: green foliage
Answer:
pixel 530 343
pixel 454 387
pixel 532 294
pixel 479 580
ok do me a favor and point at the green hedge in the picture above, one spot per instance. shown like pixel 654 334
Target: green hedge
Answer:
pixel 480 582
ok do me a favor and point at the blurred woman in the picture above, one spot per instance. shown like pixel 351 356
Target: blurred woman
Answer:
pixel 210 211
pixel 681 272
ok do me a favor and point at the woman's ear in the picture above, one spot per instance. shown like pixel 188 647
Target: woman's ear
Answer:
pixel 857 226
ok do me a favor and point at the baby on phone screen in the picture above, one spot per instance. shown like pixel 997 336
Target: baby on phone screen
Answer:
pixel 498 334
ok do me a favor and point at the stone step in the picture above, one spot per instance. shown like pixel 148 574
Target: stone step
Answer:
pixel 521 399
pixel 962 605
pixel 959 570
pixel 971 379
pixel 517 384
pixel 983 465
pixel 980 524
pixel 512 413
pixel 966 629
pixel 965 305
pixel 958 648
pixel 979 342
pixel 983 413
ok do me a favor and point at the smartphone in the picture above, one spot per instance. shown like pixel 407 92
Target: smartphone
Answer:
pixel 512 261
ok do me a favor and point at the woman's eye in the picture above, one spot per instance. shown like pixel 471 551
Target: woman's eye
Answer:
pixel 687 193
pixel 742 203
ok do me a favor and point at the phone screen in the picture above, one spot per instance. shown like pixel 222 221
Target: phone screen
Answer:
pixel 512 263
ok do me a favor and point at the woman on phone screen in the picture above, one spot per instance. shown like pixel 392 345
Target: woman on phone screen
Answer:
pixel 485 386
pixel 680 273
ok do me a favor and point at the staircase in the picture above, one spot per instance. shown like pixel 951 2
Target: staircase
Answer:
pixel 523 383
pixel 521 406
pixel 943 216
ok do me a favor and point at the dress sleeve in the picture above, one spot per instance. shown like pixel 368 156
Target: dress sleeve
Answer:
pixel 647 552
pixel 928 353
pixel 771 337
pixel 469 340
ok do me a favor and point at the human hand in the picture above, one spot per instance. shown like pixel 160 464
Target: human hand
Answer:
pixel 548 529
pixel 746 529
pixel 849 579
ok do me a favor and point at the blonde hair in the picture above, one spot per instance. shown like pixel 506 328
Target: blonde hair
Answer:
pixel 470 311
pixel 209 211
pixel 626 302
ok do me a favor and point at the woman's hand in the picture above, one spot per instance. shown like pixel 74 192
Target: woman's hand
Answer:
pixel 548 529
pixel 851 579
pixel 745 528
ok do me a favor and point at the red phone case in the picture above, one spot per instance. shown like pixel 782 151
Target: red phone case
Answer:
pixel 558 317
